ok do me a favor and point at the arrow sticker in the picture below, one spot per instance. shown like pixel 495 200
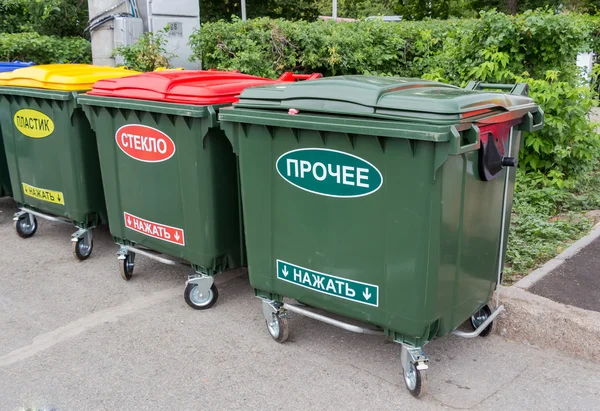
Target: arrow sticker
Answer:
pixel 329 284
pixel 50 196
pixel 156 230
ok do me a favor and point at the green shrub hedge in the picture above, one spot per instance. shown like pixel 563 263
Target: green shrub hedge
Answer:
pixel 538 47
pixel 44 49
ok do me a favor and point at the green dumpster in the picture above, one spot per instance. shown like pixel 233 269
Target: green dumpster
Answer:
pixel 378 199
pixel 169 173
pixel 51 150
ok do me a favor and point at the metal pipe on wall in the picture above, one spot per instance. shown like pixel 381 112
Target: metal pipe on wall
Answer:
pixel 101 30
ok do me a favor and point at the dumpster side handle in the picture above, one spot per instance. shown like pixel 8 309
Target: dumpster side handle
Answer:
pixel 461 141
pixel 470 136
pixel 519 89
pixel 533 121
pixel 289 76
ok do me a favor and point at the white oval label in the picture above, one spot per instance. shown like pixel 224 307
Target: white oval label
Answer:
pixel 329 173
pixel 145 143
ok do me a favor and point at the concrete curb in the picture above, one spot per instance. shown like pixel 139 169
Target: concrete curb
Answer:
pixel 557 261
pixel 541 322
pixel 544 323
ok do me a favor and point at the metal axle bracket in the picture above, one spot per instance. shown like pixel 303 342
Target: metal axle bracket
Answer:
pixel 412 355
pixel 122 253
pixel 85 233
pixel 202 281
pixel 19 215
pixel 269 308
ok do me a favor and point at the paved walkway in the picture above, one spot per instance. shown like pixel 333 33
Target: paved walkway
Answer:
pixel 74 336
pixel 576 282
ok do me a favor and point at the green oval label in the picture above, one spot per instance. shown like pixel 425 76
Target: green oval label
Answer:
pixel 329 173
pixel 33 123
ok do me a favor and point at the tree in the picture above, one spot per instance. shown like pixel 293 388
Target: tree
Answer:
pixel 358 9
pixel 214 10
pixel 520 6
pixel 421 9
pixel 48 17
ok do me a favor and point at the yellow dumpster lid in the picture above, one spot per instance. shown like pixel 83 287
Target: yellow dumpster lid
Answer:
pixel 66 77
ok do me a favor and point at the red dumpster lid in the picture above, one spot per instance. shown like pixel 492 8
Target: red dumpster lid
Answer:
pixel 197 87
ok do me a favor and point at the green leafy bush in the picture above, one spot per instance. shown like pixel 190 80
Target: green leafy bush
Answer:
pixel 44 49
pixel 569 146
pixel 148 53
pixel 267 47
pixel 65 18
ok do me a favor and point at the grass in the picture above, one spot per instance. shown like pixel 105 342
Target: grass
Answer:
pixel 545 221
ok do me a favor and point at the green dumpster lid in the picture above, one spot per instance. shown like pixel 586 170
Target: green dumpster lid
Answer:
pixel 384 97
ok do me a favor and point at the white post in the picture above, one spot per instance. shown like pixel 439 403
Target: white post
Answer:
pixel 333 10
pixel 243 10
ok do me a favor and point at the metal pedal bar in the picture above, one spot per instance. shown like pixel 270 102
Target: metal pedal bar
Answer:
pixel 482 327
pixel 154 256
pixel 340 324
pixel 46 216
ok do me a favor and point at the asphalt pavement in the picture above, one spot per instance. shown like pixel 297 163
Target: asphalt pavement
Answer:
pixel 576 282
pixel 75 336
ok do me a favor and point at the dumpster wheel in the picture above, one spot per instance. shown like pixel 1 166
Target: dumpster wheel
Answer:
pixel 415 380
pixel 126 265
pixel 199 300
pixel 25 225
pixel 278 327
pixel 479 317
pixel 82 249
pixel 414 370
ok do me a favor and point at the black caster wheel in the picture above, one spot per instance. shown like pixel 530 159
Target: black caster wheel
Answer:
pixel 278 328
pixel 415 380
pixel 26 226
pixel 126 266
pixel 200 301
pixel 479 317
pixel 82 249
